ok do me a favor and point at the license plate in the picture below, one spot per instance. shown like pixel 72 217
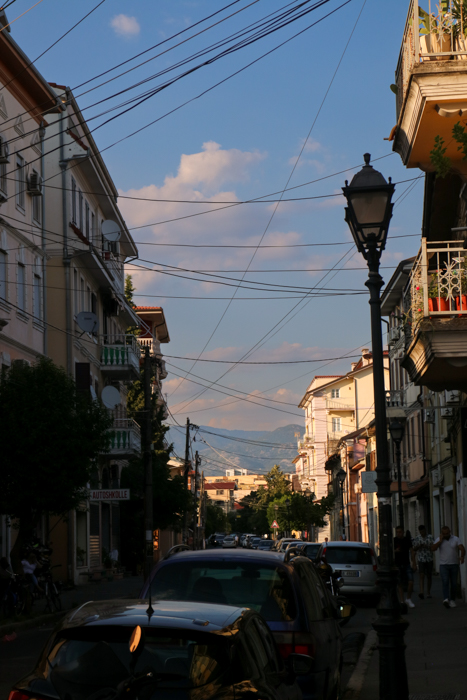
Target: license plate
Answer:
pixel 350 573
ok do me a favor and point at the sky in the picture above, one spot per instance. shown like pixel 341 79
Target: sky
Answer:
pixel 303 113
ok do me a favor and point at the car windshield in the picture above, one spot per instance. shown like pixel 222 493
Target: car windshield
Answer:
pixel 266 544
pixel 266 589
pixel 348 555
pixel 84 660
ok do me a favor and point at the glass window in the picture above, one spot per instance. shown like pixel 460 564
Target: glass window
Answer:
pixel 93 227
pixel 348 555
pixel 3 178
pixel 37 296
pixel 37 205
pixel 76 291
pixel 21 287
pixel 74 217
pixel 20 182
pixel 86 218
pixel 80 209
pixel 3 275
pixel 262 588
pixel 335 393
pixel 180 659
pixel 336 425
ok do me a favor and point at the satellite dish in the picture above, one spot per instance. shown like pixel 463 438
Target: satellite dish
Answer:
pixel 87 321
pixel 111 397
pixel 111 230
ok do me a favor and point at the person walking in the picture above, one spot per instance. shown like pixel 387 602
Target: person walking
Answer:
pixel 422 549
pixel 403 559
pixel 450 547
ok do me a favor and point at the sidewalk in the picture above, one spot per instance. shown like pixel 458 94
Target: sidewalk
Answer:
pixel 105 590
pixel 436 653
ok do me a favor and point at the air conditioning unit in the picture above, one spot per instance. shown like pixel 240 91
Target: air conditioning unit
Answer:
pixel 394 334
pixel 35 184
pixel 447 412
pixel 429 416
pixel 452 397
pixel 437 478
pixel 4 150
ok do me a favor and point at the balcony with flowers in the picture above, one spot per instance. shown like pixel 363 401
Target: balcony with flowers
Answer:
pixel 431 83
pixel 435 300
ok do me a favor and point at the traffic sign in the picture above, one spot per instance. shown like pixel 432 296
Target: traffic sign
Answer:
pixel 274 525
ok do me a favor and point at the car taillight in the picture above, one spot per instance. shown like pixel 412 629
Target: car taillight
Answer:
pixel 290 643
pixel 18 695
pixel 375 567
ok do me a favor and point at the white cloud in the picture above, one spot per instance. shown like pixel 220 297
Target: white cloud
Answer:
pixel 126 26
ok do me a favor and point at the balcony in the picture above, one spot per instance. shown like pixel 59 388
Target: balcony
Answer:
pixel 306 442
pixel 125 439
pixel 431 82
pixel 339 405
pixel 120 356
pixel 436 300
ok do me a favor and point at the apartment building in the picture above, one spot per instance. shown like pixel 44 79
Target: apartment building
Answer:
pixel 335 406
pixel 221 493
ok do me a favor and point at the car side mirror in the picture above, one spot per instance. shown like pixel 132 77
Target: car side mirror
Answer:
pixel 299 664
pixel 345 611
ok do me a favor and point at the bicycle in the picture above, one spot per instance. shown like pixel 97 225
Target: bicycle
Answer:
pixel 51 589
pixel 14 597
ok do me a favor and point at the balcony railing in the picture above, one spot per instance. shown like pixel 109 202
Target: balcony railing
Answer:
pixel 115 267
pixel 120 352
pixel 339 405
pixel 437 285
pixel 125 437
pixel 429 36
pixel 306 441
pixel 395 398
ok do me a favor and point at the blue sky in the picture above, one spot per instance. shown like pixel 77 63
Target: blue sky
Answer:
pixel 237 142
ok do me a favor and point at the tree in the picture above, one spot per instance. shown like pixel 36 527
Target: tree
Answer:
pixel 170 498
pixel 301 512
pixel 50 434
pixel 216 520
pixel 129 290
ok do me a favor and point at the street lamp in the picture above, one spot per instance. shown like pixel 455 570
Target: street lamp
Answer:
pixel 341 477
pixel 368 215
pixel 287 503
pixel 396 428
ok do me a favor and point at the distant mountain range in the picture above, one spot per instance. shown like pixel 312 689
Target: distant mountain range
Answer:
pixel 257 451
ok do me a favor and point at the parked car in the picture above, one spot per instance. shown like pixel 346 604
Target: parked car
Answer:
pixel 309 549
pixel 266 545
pixel 285 589
pixel 355 562
pixel 185 650
pixel 293 543
pixel 255 542
pixel 282 543
pixel 229 541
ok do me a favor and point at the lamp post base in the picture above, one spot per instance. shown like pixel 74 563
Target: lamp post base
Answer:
pixel 390 628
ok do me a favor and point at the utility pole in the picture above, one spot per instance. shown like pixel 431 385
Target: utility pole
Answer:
pixel 202 512
pixel 185 474
pixel 195 502
pixel 147 461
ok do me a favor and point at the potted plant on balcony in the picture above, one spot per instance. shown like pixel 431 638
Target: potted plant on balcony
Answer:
pixel 435 301
pixel 461 300
pixel 459 15
pixel 436 32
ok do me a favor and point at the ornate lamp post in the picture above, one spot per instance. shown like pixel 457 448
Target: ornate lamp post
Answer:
pixel 368 213
pixel 396 428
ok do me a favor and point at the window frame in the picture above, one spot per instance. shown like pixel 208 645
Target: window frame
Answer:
pixel 21 287
pixel 20 178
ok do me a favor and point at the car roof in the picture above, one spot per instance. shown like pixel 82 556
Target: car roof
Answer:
pixel 207 617
pixel 207 554
pixel 345 543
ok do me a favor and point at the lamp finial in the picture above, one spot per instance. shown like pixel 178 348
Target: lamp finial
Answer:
pixel 366 158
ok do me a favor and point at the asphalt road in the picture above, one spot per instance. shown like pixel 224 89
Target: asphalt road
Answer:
pixel 17 658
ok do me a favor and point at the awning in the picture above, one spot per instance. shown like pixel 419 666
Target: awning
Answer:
pixel 416 489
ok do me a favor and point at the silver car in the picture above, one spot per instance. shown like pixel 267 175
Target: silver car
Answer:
pixel 355 562
pixel 229 541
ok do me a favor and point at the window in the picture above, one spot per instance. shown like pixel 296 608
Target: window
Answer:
pixel 21 287
pixel 336 425
pixel 3 275
pixel 37 296
pixel 220 493
pixel 37 205
pixel 86 219
pixel 3 178
pixel 80 209
pixel 93 226
pixel 82 297
pixel 76 291
pixel 74 217
pixel 20 182
pixel 335 393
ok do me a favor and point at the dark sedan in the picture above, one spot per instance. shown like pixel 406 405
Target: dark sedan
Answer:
pixel 186 651
pixel 285 589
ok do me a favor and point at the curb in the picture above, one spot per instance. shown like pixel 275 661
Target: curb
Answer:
pixel 356 680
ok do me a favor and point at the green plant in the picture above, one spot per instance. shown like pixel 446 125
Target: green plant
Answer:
pixel 433 287
pixel 460 136
pixel 438 159
pixel 440 23
pixel 459 15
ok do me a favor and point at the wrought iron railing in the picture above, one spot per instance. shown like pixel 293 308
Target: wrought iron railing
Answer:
pixel 395 398
pixel 437 284
pixel 434 31
pixel 119 350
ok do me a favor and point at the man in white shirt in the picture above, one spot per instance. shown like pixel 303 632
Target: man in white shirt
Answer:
pixel 450 548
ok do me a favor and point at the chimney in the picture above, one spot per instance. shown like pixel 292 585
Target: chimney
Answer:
pixel 365 356
pixel 353 365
